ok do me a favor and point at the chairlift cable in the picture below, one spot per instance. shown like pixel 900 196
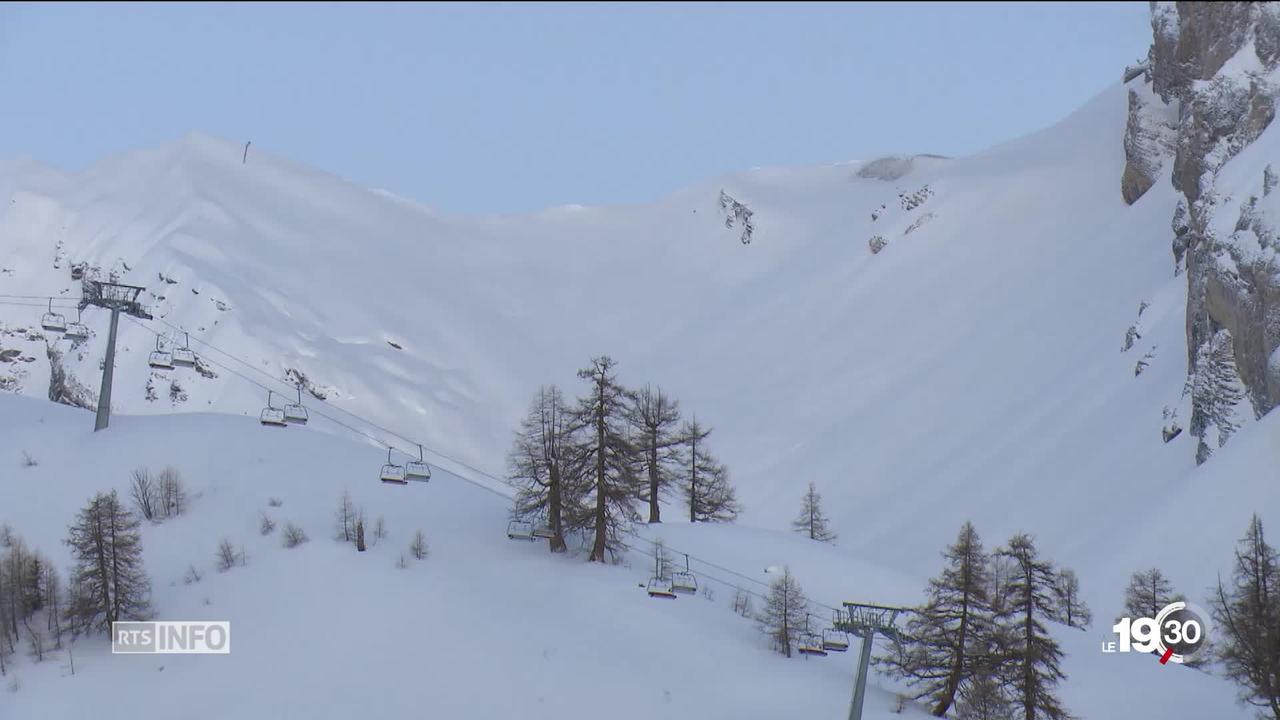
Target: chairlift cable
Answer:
pixel 379 441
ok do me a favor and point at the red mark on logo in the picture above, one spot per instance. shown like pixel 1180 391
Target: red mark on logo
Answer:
pixel 1168 653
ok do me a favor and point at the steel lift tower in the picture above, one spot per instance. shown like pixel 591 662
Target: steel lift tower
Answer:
pixel 116 298
pixel 864 621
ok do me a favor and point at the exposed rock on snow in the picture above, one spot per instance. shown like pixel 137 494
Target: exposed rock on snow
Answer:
pixel 1214 66
pixel 1149 140
pixel 887 168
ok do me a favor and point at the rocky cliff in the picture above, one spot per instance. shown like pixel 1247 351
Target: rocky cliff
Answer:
pixel 1207 93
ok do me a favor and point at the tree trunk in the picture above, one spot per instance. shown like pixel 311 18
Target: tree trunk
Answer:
pixel 101 550
pixel 957 667
pixel 602 516
pixel 1028 667
pixel 555 510
pixel 655 512
pixel 693 478
pixel 360 535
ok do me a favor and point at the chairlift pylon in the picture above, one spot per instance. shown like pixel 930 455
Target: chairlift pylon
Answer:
pixel 159 358
pixel 392 473
pixel 272 415
pixel 295 412
pixel 184 356
pixel 52 321
pixel 418 469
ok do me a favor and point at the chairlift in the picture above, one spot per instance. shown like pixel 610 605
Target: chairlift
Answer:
pixel 418 469
pixel 684 581
pixel 295 412
pixel 162 359
pixel 543 531
pixel 660 588
pixel 520 530
pixel 77 330
pixel 834 640
pixel 52 321
pixel 392 473
pixel 810 642
pixel 272 415
pixel 184 356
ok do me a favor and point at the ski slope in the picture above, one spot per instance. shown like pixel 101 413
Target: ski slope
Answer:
pixel 972 369
pixel 975 359
pixel 482 628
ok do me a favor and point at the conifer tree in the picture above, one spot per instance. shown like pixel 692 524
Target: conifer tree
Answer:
pixel 655 416
pixel 1246 615
pixel 946 643
pixel 1032 657
pixel 704 479
pixel 608 459
pixel 109 581
pixel 783 616
pixel 1148 592
pixel 540 465
pixel 811 521
pixel 1072 609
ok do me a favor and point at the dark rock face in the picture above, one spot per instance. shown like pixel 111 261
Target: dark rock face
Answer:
pixel 1148 143
pixel 1210 74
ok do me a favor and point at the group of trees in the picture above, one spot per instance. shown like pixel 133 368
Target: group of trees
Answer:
pixel 586 465
pixel 107 581
pixel 349 526
pixel 980 642
pixel 29 588
pixel 158 497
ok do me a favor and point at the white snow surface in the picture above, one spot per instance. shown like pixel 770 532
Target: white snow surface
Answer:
pixel 482 628
pixel 971 370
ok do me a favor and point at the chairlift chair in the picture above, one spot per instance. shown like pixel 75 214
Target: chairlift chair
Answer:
pixel 834 640
pixel 660 588
pixel 272 415
pixel 392 473
pixel 162 359
pixel 520 530
pixel 418 469
pixel 52 321
pixel 77 330
pixel 543 531
pixel 683 581
pixel 295 412
pixel 810 644
pixel 184 355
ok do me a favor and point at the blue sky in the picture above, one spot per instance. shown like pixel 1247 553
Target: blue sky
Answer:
pixel 505 108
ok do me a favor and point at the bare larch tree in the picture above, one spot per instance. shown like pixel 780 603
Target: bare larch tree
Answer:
pixel 655 417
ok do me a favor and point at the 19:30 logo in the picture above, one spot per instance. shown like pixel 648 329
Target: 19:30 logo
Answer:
pixel 1176 633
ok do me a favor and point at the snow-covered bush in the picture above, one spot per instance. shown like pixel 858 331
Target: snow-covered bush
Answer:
pixel 294 535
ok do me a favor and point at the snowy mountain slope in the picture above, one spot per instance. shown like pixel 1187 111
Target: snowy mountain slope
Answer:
pixel 484 627
pixel 971 369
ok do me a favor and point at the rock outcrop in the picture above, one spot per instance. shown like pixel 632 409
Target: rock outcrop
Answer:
pixel 1208 91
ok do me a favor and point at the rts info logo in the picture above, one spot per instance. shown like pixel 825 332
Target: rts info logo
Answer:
pixel 1176 633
